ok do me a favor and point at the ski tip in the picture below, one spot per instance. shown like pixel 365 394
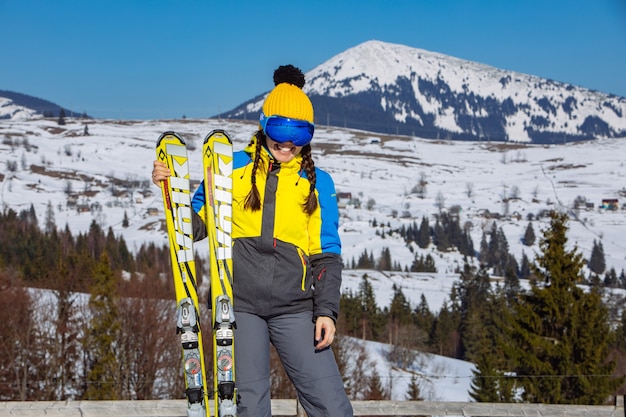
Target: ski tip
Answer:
pixel 217 133
pixel 169 134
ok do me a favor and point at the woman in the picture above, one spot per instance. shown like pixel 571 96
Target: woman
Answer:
pixel 286 257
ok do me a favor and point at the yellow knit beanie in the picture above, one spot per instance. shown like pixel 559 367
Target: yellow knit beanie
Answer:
pixel 288 100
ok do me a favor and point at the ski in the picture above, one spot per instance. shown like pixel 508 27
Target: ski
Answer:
pixel 217 152
pixel 171 149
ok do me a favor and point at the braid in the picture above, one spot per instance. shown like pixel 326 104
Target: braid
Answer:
pixel 309 167
pixel 253 199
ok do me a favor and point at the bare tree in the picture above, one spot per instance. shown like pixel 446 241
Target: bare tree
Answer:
pixel 440 201
pixel 18 341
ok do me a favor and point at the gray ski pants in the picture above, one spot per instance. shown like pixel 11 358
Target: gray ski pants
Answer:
pixel 314 373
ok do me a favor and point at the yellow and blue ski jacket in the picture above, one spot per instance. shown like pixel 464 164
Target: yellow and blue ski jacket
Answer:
pixel 284 260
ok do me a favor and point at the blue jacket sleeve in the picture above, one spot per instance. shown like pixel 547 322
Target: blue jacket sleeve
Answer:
pixel 327 265
pixel 197 223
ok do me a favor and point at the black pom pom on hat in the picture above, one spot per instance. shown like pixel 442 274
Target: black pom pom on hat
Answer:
pixel 289 74
pixel 287 98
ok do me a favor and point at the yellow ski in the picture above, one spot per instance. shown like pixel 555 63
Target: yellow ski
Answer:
pixel 218 182
pixel 177 204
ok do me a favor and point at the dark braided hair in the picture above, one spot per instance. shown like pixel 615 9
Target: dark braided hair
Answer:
pixel 309 167
pixel 253 199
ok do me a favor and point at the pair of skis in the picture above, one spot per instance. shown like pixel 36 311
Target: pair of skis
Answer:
pixel 218 162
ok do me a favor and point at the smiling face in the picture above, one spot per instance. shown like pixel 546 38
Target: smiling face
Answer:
pixel 282 152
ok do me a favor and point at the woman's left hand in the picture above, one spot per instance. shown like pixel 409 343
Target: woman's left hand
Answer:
pixel 324 332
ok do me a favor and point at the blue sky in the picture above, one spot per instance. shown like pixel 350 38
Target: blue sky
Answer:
pixel 147 59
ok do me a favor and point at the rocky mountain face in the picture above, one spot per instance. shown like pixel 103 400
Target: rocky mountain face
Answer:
pixel 395 89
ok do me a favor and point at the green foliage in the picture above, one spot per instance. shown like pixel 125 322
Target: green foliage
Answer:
pixel 30 252
pixel 597 263
pixel 423 236
pixel 490 382
pixel 529 235
pixel 422 316
pixel 558 336
pixel 444 334
pixel 473 290
pixel 360 315
pixel 366 261
pixel 423 264
pixel 102 333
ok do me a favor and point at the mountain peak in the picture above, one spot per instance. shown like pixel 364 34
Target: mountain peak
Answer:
pixel 391 88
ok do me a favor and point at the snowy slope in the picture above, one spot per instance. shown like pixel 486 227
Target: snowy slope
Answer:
pixel 104 175
pixel 10 110
pixel 107 174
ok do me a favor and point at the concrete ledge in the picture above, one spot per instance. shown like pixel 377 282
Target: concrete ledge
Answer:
pixel 288 408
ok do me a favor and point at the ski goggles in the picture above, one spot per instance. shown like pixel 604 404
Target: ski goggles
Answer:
pixel 283 129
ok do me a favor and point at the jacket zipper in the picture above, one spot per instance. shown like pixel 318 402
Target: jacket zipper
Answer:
pixel 303 260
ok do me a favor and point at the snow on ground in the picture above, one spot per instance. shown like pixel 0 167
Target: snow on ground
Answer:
pixel 105 175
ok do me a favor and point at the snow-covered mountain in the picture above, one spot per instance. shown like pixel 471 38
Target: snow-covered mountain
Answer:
pixel 18 106
pixel 396 89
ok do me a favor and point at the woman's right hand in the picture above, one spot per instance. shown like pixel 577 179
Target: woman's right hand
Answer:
pixel 160 172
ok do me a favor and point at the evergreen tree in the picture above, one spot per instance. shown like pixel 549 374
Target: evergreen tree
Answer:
pixel 597 263
pixel 423 235
pixel 440 238
pixel 423 264
pixel 371 318
pixel 490 382
pixel 525 267
pixel 423 317
pixel 529 235
pixel 413 392
pixel 366 261
pixel 610 279
pixel 499 252
pixel 102 334
pixel 444 336
pixel 473 290
pixel 384 262
pixel 375 389
pixel 50 223
pixel 349 320
pixel 483 254
pixel 558 335
pixel 61 119
pixel 466 245
pixel 400 329
pixel 512 286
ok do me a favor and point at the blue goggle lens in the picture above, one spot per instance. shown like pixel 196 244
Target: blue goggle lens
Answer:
pixel 282 129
